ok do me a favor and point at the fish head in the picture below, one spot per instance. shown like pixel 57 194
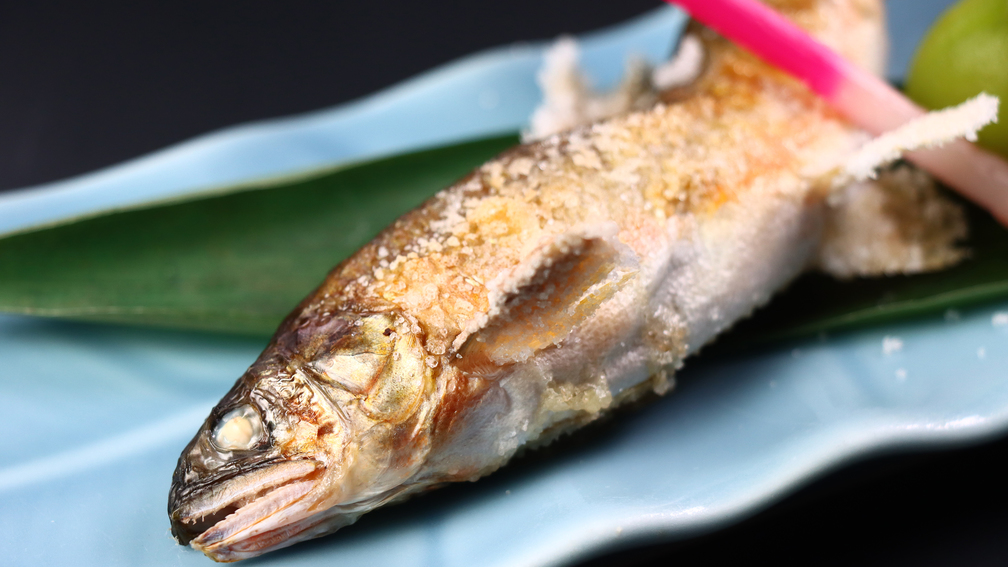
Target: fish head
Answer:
pixel 332 420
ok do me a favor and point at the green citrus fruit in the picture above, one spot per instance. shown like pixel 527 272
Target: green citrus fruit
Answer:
pixel 964 53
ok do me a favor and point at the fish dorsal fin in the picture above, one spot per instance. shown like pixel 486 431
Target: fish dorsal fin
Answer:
pixel 540 301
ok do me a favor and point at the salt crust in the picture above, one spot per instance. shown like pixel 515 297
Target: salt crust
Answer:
pixel 898 223
pixel 931 130
pixel 569 100
pixel 683 68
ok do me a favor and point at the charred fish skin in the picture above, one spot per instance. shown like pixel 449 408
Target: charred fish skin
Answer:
pixel 338 399
pixel 550 285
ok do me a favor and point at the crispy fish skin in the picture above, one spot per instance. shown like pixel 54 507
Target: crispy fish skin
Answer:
pixel 554 282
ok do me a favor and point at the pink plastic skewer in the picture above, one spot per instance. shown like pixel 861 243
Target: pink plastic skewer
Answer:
pixel 866 100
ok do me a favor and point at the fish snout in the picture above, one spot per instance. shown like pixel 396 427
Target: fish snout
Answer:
pixel 213 509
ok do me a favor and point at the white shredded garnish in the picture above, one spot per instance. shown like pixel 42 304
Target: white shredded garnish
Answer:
pixel 932 129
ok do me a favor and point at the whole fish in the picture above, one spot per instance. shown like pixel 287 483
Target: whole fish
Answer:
pixel 555 282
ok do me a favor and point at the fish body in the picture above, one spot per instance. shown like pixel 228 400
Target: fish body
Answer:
pixel 555 282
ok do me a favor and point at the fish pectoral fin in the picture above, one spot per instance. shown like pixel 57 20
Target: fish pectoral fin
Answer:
pixel 541 300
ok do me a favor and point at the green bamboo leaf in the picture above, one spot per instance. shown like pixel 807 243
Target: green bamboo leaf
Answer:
pixel 239 261
pixel 234 262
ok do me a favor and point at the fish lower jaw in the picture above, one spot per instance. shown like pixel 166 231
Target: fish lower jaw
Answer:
pixel 313 526
pixel 238 511
pixel 267 522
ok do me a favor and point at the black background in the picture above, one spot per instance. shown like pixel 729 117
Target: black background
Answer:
pixel 88 84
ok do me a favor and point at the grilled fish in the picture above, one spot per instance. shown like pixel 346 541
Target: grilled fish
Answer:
pixel 555 282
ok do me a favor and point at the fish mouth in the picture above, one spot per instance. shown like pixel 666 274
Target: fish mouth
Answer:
pixel 249 514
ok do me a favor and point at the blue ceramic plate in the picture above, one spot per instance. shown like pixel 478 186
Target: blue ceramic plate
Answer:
pixel 94 416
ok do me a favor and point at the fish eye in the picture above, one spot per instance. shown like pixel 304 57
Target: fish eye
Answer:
pixel 238 429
